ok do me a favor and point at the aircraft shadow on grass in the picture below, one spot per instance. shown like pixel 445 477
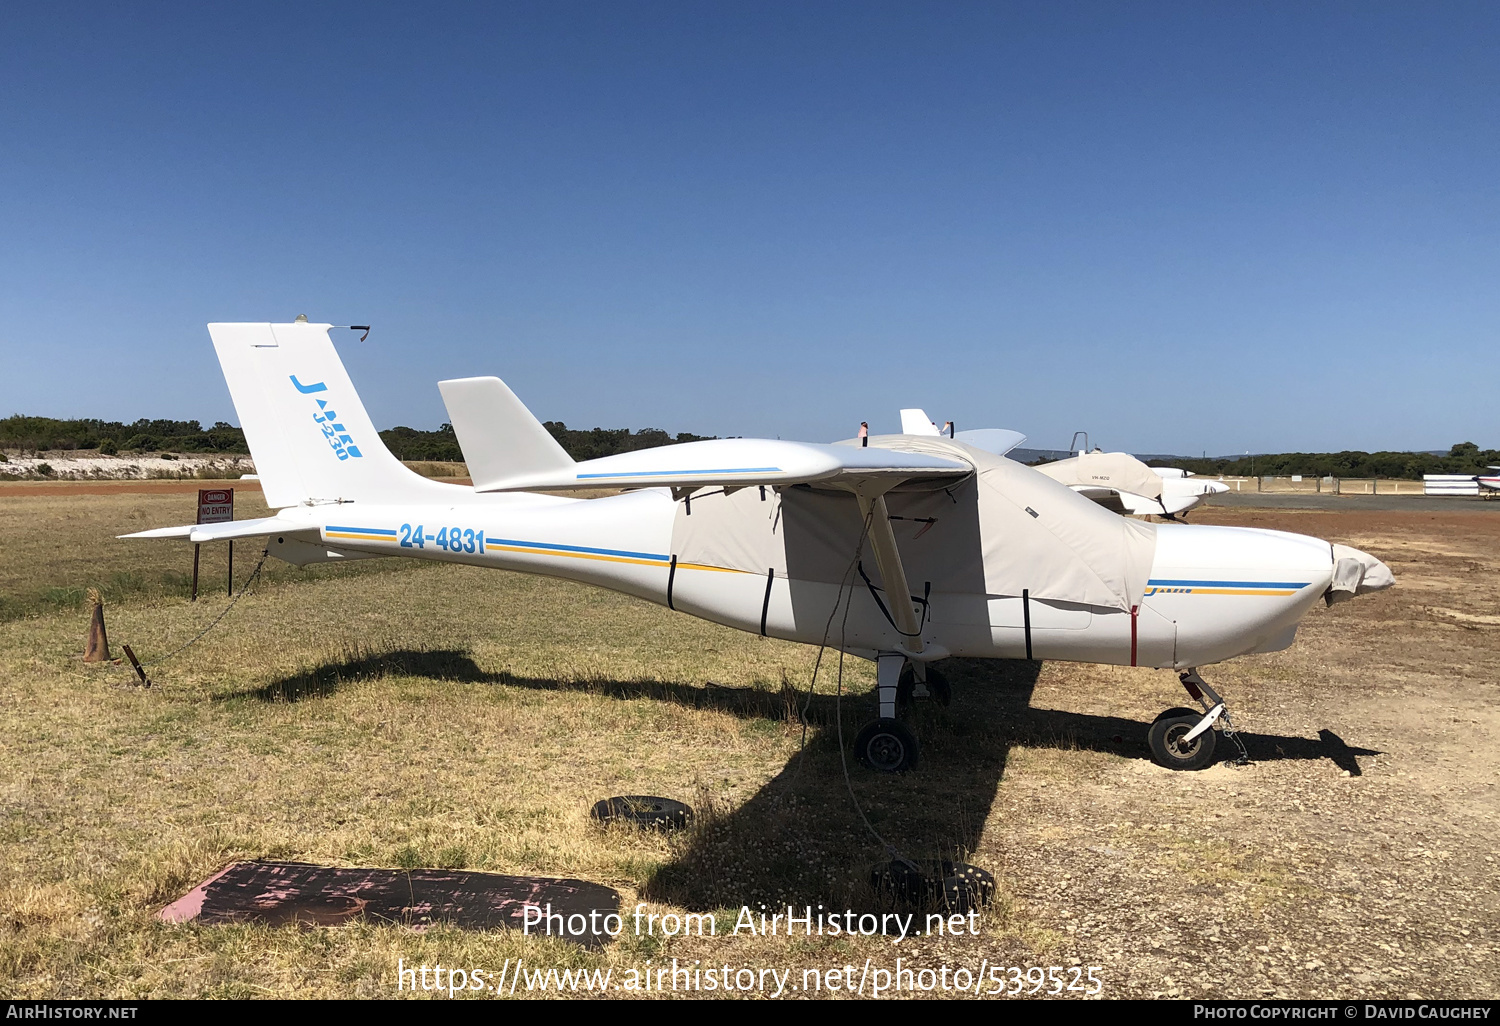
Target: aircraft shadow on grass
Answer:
pixel 799 838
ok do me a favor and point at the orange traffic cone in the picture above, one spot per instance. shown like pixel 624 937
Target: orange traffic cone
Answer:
pixel 97 650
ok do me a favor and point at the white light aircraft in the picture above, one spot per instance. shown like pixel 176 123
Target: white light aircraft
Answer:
pixel 1115 480
pixel 931 547
pixel 1122 483
pixel 1490 481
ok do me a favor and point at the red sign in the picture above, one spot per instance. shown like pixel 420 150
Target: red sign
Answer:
pixel 215 505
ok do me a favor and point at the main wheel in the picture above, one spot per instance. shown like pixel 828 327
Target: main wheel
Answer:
pixel 1168 746
pixel 937 684
pixel 887 745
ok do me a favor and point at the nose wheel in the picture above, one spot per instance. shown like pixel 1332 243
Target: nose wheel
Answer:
pixel 1185 739
pixel 1170 745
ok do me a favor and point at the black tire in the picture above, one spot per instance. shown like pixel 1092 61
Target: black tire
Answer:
pixel 643 810
pixel 887 746
pixel 1179 711
pixel 967 888
pixel 937 684
pixel 1165 739
pixel 934 884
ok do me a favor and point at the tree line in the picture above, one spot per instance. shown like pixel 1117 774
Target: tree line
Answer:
pixel 410 444
pixel 42 434
pixel 1463 458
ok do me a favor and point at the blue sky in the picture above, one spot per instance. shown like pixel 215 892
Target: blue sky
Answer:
pixel 1182 227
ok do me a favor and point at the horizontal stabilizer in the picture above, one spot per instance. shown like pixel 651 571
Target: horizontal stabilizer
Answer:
pixel 499 436
pixel 737 462
pixel 227 531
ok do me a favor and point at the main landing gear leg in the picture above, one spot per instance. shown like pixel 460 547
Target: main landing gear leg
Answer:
pixel 886 744
pixel 1185 739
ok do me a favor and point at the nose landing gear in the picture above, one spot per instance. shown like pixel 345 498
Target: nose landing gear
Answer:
pixel 1183 739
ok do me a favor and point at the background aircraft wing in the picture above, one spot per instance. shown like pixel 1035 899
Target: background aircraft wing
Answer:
pixel 996 440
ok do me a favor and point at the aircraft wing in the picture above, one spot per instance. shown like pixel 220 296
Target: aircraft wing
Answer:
pixel 738 462
pixel 996 440
pixel 226 531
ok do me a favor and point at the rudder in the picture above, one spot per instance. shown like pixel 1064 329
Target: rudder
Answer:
pixel 309 434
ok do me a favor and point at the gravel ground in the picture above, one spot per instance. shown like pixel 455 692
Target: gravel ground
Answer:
pixel 1354 857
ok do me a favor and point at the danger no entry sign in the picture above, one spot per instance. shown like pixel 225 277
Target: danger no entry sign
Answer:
pixel 215 505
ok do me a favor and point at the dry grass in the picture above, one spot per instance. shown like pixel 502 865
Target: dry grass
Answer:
pixel 400 714
pixel 61 544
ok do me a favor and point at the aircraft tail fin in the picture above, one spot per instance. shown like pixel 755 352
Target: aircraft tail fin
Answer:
pixel 916 422
pixel 309 434
pixel 501 439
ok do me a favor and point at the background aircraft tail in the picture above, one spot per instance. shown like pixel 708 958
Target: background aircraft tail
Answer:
pixel 309 434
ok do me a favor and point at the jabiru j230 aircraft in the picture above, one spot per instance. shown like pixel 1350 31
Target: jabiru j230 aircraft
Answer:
pixel 930 546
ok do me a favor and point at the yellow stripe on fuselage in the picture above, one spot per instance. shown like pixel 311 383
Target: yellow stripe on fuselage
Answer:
pixel 533 551
pixel 1243 591
pixel 606 559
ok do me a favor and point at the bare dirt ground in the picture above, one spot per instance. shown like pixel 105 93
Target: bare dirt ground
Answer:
pixel 1382 503
pixel 393 714
pixel 17 489
pixel 1355 856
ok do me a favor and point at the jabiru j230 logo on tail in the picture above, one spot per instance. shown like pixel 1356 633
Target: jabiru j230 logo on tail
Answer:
pixel 327 421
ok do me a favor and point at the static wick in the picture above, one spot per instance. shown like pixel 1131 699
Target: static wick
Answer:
pixel 361 327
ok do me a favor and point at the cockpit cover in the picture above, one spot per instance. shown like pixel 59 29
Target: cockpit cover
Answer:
pixel 1117 470
pixel 1001 531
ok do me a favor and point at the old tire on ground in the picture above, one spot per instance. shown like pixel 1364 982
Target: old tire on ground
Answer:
pixel 934 884
pixel 1169 749
pixel 643 810
pixel 906 687
pixel 967 888
pixel 887 745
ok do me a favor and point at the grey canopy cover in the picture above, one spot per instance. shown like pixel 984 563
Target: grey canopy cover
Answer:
pixel 1002 530
pixel 1119 471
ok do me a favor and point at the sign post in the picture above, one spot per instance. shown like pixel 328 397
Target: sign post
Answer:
pixel 215 506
